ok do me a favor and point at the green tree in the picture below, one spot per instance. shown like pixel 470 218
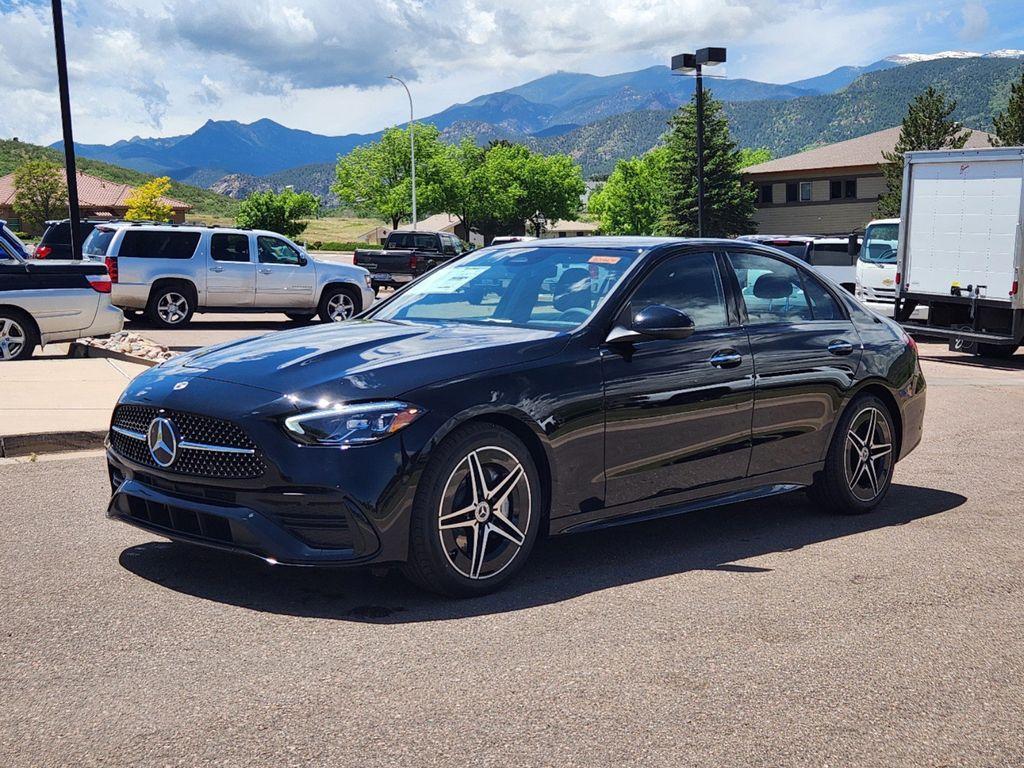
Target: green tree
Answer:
pixel 633 200
pixel 554 189
pixel 375 180
pixel 728 202
pixel 147 203
pixel 749 157
pixel 1009 124
pixel 40 193
pixel 927 125
pixel 278 211
pixel 459 179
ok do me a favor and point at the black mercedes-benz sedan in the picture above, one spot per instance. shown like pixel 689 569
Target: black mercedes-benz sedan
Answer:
pixel 532 389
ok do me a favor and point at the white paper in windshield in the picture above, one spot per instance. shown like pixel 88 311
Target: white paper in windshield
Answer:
pixel 451 280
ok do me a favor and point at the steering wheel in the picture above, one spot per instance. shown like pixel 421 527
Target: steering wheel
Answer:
pixel 575 315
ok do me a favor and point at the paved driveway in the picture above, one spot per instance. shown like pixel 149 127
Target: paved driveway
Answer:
pixel 770 634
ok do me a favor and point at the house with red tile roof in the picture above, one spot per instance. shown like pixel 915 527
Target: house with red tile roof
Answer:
pixel 97 199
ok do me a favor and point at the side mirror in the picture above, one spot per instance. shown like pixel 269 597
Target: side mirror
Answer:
pixel 303 260
pixel 655 322
pixel 852 247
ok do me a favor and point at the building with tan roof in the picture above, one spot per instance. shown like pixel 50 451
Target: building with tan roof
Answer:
pixel 97 198
pixel 829 190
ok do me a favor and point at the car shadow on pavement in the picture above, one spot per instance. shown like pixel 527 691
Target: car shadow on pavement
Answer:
pixel 1015 363
pixel 559 569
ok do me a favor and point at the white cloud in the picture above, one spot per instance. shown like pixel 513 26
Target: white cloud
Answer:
pixel 145 66
pixel 975 18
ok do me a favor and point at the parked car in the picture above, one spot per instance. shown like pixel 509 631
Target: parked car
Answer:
pixel 612 381
pixel 56 240
pixel 836 258
pixel 169 272
pixel 12 240
pixel 45 302
pixel 506 239
pixel 794 245
pixel 407 254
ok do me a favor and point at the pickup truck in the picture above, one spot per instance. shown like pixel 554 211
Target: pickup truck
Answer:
pixel 406 255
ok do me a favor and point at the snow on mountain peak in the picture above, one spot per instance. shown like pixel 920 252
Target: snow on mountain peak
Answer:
pixel 914 58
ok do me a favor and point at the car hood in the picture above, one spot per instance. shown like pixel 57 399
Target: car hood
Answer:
pixel 364 359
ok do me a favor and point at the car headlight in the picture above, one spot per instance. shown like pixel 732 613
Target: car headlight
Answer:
pixel 345 425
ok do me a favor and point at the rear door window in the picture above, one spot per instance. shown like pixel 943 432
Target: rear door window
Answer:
pixel 229 247
pixel 832 255
pixel 158 244
pixel 772 289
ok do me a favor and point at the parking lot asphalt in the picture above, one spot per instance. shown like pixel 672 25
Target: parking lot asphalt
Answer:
pixel 771 634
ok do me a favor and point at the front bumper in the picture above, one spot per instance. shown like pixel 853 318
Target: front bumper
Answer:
pixel 287 527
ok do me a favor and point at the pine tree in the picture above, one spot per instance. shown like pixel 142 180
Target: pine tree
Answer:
pixel 1009 124
pixel 728 202
pixel 927 125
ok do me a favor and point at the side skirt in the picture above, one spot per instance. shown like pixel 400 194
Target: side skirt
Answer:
pixel 733 492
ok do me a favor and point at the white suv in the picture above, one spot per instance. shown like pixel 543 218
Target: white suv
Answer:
pixel 170 271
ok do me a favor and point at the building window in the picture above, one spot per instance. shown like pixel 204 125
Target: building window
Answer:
pixel 805 191
pixel 766 194
pixel 835 190
pixel 792 192
pixel 851 189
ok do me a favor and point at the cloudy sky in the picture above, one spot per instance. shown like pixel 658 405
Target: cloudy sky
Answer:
pixel 163 67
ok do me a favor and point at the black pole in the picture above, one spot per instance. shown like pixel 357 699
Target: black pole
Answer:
pixel 65 118
pixel 700 154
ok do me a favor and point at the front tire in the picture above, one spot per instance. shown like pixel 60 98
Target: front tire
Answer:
pixel 476 513
pixel 18 337
pixel 859 466
pixel 339 303
pixel 171 306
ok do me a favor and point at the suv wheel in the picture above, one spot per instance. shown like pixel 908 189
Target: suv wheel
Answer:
pixel 338 303
pixel 860 462
pixel 476 513
pixel 170 306
pixel 18 339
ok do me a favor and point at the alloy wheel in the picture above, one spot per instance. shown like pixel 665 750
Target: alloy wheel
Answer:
pixel 172 308
pixel 868 454
pixel 484 513
pixel 340 307
pixel 12 338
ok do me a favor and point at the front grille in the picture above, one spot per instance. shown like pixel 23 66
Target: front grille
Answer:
pixel 169 517
pixel 192 428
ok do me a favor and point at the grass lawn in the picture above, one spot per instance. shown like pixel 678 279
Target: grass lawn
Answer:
pixel 328 229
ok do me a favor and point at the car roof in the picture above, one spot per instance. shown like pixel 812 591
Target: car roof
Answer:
pixel 621 241
pixel 150 225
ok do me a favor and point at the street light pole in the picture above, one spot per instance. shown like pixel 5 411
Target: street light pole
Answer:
pixel 685 64
pixel 69 141
pixel 412 146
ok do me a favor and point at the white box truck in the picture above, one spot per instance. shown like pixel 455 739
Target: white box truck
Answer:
pixel 961 247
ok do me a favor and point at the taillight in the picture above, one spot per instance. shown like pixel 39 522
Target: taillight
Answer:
pixel 111 262
pixel 42 251
pixel 412 262
pixel 1014 288
pixel 899 278
pixel 99 283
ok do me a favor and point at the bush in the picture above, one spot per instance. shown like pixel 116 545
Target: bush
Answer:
pixel 336 246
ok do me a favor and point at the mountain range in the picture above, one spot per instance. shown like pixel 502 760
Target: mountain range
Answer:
pixel 596 119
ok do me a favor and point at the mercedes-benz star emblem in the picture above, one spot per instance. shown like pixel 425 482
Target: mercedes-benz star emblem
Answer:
pixel 162 440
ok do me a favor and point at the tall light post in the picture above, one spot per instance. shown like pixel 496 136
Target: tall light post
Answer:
pixel 65 117
pixel 412 145
pixel 691 63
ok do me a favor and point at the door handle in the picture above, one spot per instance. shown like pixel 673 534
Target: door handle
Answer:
pixel 216 269
pixel 266 271
pixel 840 347
pixel 726 358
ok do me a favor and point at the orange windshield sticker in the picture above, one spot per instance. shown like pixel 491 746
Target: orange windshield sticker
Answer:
pixel 604 259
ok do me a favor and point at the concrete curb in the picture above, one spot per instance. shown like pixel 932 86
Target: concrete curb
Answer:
pixel 80 350
pixel 50 442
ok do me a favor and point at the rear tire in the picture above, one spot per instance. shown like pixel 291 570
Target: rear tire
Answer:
pixel 997 351
pixel 476 513
pixel 861 458
pixel 18 336
pixel 339 303
pixel 171 306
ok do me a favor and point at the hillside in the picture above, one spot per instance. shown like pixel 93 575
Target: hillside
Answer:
pixel 203 201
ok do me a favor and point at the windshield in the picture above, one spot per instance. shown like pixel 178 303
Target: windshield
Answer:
pixel 880 242
pixel 98 241
pixel 554 288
